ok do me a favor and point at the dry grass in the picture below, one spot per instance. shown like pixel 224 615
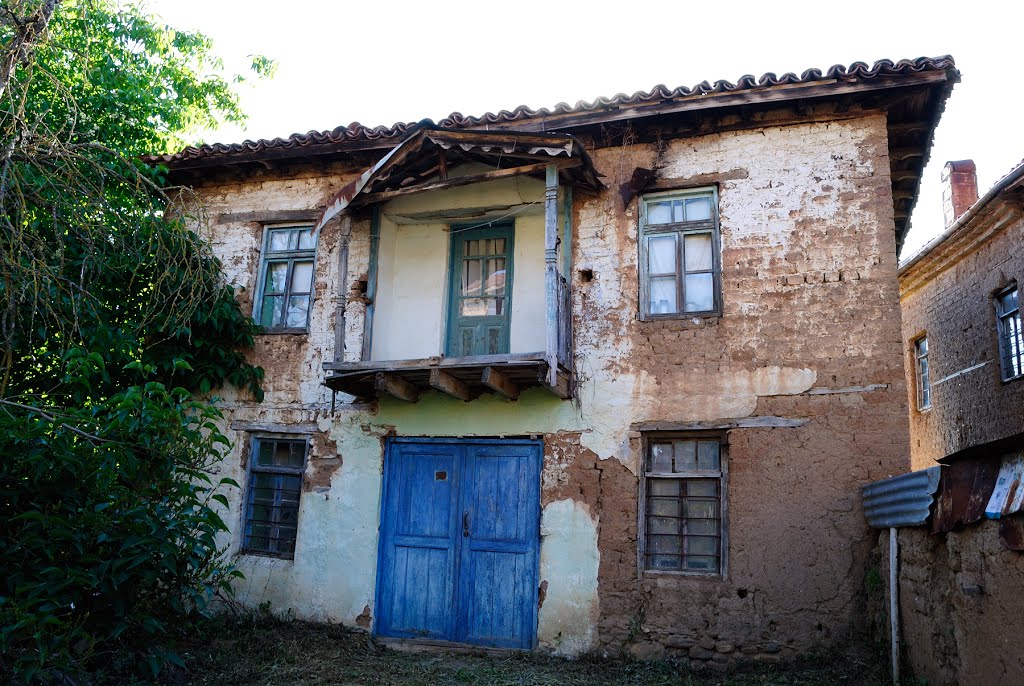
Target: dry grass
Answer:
pixel 291 653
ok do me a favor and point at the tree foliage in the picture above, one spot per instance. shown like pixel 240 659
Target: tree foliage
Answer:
pixel 113 316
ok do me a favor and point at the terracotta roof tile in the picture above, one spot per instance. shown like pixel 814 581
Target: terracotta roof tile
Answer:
pixel 456 120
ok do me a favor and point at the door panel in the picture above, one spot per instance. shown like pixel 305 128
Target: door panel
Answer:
pixel 460 542
pixel 480 292
pixel 497 590
pixel 420 520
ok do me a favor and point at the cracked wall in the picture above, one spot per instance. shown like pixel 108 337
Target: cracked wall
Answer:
pixel 806 355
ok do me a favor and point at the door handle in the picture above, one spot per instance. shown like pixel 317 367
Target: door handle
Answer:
pixel 465 524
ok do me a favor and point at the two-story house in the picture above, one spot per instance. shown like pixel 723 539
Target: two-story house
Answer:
pixel 602 377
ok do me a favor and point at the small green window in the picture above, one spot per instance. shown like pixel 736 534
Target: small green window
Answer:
pixel 286 279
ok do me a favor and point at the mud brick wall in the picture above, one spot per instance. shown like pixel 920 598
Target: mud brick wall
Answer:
pixel 961 605
pixel 949 296
pixel 809 341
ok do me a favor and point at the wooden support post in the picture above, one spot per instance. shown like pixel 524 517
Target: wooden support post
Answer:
pixel 500 383
pixel 446 383
pixel 894 605
pixel 396 386
pixel 339 311
pixel 551 273
pixel 371 284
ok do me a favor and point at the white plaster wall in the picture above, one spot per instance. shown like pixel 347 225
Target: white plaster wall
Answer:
pixel 412 275
pixel 528 317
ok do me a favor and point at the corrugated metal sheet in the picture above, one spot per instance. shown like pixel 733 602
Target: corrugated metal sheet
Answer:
pixel 903 500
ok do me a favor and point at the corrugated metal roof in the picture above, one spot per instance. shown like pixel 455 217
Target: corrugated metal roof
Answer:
pixel 658 94
pixel 903 500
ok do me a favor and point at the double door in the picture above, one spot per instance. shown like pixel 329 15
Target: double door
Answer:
pixel 459 541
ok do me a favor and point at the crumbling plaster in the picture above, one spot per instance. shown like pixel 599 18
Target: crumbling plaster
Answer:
pixel 809 301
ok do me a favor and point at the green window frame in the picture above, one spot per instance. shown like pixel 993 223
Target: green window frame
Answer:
pixel 273 492
pixel 285 285
pixel 481 271
pixel 680 263
pixel 683 504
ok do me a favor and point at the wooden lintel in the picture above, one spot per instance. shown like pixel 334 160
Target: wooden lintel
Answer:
pixel 446 383
pixel 561 387
pixel 396 386
pixel 368 198
pixel 499 383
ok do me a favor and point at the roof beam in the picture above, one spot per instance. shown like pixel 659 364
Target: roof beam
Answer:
pixel 499 383
pixel 369 198
pixel 396 386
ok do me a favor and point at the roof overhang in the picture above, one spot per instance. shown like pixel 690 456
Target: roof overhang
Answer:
pixel 421 163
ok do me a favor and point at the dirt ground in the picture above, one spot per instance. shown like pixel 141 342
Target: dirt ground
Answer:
pixel 290 653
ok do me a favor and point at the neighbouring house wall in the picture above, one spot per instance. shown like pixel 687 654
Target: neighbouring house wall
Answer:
pixel 809 341
pixel 949 297
pixel 961 605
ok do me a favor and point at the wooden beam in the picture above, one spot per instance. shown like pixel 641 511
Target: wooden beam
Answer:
pixel 446 383
pixel 371 285
pixel 267 217
pixel 499 383
pixel 908 127
pixel 437 361
pixel 368 198
pixel 561 387
pixel 396 386
pixel 551 272
pixel 906 175
pixel 899 154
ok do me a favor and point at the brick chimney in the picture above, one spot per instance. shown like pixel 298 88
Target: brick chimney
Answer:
pixel 959 188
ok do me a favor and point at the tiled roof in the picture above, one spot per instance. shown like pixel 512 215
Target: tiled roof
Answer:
pixel 357 132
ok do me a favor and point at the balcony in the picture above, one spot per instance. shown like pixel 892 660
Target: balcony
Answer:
pixel 469 250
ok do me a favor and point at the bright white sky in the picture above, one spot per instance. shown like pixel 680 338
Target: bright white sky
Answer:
pixel 383 62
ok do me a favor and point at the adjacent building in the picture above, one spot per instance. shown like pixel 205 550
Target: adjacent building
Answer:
pixel 605 377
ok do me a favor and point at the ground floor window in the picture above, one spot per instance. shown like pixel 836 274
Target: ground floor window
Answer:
pixel 683 503
pixel 272 495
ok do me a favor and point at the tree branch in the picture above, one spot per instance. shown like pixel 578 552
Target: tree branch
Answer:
pixel 25 37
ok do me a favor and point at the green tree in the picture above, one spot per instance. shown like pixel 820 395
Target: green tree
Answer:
pixel 115 322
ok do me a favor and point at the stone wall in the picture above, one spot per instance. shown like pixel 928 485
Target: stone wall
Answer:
pixel 961 605
pixel 808 343
pixel 948 296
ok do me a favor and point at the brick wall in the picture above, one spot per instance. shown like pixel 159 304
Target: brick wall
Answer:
pixel 948 295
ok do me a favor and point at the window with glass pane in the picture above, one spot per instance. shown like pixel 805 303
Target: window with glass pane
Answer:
pixel 287 279
pixel 1011 338
pixel 924 383
pixel 683 489
pixel 272 497
pixel 680 266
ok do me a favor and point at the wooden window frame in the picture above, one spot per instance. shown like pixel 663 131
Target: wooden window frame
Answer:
pixel 253 469
pixel 679 230
pixel 922 372
pixel 1003 343
pixel 647 440
pixel 267 257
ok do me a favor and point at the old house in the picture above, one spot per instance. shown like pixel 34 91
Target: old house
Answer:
pixel 603 377
pixel 961 565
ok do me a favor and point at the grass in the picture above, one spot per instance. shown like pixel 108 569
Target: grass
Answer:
pixel 291 653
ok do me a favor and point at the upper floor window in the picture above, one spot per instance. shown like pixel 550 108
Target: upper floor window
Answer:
pixel 923 373
pixel 272 496
pixel 286 279
pixel 683 518
pixel 1011 339
pixel 680 267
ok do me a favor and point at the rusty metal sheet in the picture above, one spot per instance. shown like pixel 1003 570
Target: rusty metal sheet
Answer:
pixel 903 500
pixel 1008 493
pixel 964 492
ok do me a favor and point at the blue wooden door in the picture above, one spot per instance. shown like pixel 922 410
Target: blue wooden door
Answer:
pixel 460 541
